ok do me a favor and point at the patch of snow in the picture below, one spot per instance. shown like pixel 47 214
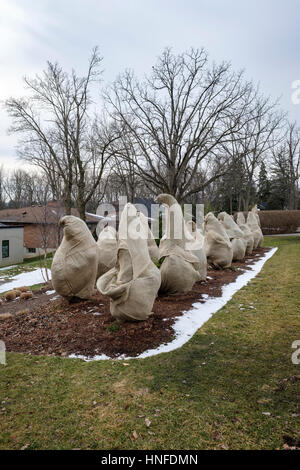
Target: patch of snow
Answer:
pixel 101 357
pixel 208 277
pixel 205 296
pixel 50 292
pixel 8 267
pixel 93 311
pixel 24 279
pixel 191 320
pixel 54 298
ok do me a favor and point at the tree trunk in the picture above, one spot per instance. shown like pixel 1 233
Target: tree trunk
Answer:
pixel 68 201
pixel 81 208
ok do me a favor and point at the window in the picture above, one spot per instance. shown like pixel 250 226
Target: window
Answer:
pixel 31 250
pixel 5 248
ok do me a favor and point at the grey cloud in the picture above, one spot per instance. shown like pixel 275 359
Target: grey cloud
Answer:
pixel 260 36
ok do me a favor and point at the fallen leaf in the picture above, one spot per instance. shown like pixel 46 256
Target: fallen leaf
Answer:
pixel 135 434
pixel 148 422
pixel 25 447
pixel 263 401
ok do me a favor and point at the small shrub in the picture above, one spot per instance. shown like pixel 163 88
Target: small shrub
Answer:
pixel 23 289
pixel 4 316
pixel 11 295
pixel 17 292
pixel 23 312
pixel 113 327
pixel 26 295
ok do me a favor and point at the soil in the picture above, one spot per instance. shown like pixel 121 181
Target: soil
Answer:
pixel 47 324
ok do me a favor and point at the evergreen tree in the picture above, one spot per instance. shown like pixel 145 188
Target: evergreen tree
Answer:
pixel 263 187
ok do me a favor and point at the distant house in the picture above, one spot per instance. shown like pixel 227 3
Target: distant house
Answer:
pixel 111 212
pixel 41 229
pixel 11 244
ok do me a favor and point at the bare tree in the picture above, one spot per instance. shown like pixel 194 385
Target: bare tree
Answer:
pixel 2 187
pixel 254 142
pixel 286 164
pixel 90 171
pixel 56 128
pixel 178 117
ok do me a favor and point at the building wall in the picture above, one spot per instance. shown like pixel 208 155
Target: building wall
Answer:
pixel 36 235
pixel 15 236
pixel 38 252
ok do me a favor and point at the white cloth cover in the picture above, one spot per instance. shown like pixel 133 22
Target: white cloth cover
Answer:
pixel 181 267
pixel 152 246
pixel 75 263
pixel 133 283
pixel 240 220
pixel 239 246
pixel 256 211
pixel 236 236
pixel 218 248
pixel 247 232
pixel 198 248
pixel 248 237
pixel 108 247
pixel 255 229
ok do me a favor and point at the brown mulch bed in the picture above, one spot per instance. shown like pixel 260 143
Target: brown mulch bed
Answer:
pixel 47 325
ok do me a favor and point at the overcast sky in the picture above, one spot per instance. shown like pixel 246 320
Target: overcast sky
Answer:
pixel 260 36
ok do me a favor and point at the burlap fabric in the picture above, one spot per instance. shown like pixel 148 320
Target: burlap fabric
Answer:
pixel 218 248
pixel 75 263
pixel 180 268
pixel 133 283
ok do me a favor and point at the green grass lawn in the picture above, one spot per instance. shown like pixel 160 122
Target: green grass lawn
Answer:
pixel 232 386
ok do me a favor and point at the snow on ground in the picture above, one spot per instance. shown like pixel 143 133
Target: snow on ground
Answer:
pixel 8 267
pixel 50 292
pixel 187 324
pixel 24 279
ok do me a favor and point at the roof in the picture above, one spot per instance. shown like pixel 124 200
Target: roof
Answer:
pixel 10 226
pixel 50 214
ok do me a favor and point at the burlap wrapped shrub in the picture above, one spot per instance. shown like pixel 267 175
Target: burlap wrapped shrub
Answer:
pixel 218 248
pixel 108 247
pixel 255 229
pixel 197 247
pixel 152 246
pixel 75 263
pixel 133 283
pixel 180 267
pixel 236 236
pixel 256 212
pixel 247 232
pixel 240 219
